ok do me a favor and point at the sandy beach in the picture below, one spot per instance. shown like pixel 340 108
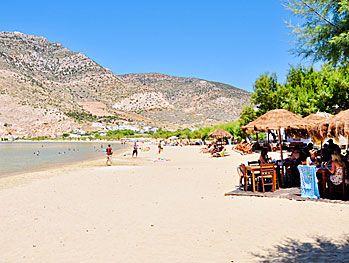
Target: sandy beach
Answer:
pixel 172 210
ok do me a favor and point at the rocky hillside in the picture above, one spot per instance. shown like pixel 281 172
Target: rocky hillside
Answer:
pixel 182 100
pixel 50 84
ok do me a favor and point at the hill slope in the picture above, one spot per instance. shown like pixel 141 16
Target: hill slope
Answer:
pixel 179 100
pixel 48 83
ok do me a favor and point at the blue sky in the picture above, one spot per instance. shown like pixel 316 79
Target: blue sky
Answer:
pixel 229 41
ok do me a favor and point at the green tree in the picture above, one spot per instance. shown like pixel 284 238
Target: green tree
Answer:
pixel 247 115
pixel 265 89
pixel 323 34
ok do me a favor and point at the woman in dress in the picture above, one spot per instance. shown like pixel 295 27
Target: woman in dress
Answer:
pixel 337 169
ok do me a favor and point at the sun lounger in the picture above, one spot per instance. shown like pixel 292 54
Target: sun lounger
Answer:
pixel 219 154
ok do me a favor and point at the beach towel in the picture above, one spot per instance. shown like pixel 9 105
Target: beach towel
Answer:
pixel 309 185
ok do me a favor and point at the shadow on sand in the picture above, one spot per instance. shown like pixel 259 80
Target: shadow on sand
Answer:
pixel 318 250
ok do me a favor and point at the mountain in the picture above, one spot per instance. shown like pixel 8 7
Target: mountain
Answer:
pixel 46 89
pixel 182 100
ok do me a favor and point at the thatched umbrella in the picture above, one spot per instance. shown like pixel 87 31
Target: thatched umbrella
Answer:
pixel 313 119
pixel 275 120
pixel 343 116
pixel 220 134
pixel 317 117
pixel 331 127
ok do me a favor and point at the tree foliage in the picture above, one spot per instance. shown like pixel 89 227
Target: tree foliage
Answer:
pixel 323 34
pixel 203 133
pixel 305 91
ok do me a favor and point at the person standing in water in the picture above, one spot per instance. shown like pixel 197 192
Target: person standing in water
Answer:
pixel 109 152
pixel 135 150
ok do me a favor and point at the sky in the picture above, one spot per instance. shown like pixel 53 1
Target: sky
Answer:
pixel 229 41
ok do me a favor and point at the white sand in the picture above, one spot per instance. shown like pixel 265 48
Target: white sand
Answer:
pixel 146 211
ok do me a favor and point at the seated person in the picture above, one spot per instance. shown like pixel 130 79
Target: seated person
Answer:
pixel 312 159
pixel 337 169
pixel 337 150
pixel 307 149
pixel 296 159
pixel 213 149
pixel 263 158
pixel 331 145
pixel 296 155
pixel 241 171
pixel 326 153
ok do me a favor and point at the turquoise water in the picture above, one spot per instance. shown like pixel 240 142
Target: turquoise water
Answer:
pixel 18 157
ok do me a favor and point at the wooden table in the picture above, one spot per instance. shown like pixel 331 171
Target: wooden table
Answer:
pixel 253 169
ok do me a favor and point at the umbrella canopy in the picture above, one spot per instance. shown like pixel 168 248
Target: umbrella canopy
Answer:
pixel 331 127
pixel 220 133
pixel 343 116
pixel 317 117
pixel 276 119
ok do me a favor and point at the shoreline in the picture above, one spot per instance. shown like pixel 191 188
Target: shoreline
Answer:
pixel 65 165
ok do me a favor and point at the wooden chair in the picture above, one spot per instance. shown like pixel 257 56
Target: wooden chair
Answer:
pixel 242 171
pixel 268 176
pixel 338 189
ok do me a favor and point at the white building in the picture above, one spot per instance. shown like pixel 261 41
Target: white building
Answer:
pixel 97 125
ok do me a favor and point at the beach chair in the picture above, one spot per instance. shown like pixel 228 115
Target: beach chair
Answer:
pixel 248 148
pixel 268 177
pixel 219 154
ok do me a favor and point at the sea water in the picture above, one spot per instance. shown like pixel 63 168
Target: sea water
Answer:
pixel 16 157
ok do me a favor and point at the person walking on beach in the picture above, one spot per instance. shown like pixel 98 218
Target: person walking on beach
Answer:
pixel 135 150
pixel 109 152
pixel 160 147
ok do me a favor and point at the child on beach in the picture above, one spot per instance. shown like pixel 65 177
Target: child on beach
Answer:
pixel 109 152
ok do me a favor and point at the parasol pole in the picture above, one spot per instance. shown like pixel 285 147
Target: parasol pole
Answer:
pixel 268 138
pixel 282 157
pixel 257 139
pixel 347 142
pixel 321 149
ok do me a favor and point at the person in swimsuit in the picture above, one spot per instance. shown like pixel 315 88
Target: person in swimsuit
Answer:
pixel 337 169
pixel 109 152
pixel 135 149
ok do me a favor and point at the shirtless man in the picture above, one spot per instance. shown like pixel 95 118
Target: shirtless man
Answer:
pixel 109 152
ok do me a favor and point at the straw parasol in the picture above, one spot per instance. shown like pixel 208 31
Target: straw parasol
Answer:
pixel 275 120
pixel 332 127
pixel 317 117
pixel 343 116
pixel 220 134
